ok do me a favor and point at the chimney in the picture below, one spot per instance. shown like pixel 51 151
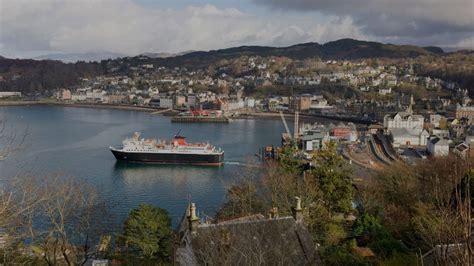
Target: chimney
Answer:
pixel 298 211
pixel 274 213
pixel 193 219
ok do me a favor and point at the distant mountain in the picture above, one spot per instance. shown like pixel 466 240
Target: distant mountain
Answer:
pixel 164 55
pixel 457 49
pixel 340 49
pixel 434 49
pixel 75 57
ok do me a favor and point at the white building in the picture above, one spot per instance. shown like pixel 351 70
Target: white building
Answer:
pixel 319 103
pixel 4 94
pixel 78 96
pixel 232 105
pixel 385 91
pixel 95 95
pixel 250 102
pixel 440 133
pixel 166 102
pixel 438 147
pixel 409 137
pixel 403 120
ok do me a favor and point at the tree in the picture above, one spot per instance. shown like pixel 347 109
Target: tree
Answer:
pixel 242 199
pixel 68 221
pixel 288 160
pixel 147 233
pixel 427 206
pixel 58 219
pixel 332 175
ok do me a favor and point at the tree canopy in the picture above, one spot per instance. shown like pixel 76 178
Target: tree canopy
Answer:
pixel 147 233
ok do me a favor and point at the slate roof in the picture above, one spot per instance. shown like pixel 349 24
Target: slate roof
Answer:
pixel 406 132
pixel 462 147
pixel 259 240
pixel 438 141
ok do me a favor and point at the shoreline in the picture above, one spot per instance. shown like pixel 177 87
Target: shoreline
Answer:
pixel 152 110
pixel 78 105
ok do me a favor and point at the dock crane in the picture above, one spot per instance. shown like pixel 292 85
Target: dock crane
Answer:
pixel 297 125
pixel 285 124
pixel 295 135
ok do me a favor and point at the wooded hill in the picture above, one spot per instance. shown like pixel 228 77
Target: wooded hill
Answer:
pixel 44 76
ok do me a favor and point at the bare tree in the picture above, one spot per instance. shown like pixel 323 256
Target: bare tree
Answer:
pixel 62 215
pixel 17 198
pixel 428 205
pixel 11 139
pixel 72 219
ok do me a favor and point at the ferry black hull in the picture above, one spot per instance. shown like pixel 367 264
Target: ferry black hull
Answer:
pixel 170 158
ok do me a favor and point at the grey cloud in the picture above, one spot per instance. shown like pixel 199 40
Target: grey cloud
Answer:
pixel 394 18
pixel 122 26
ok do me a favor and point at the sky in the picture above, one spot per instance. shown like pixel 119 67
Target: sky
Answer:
pixel 30 28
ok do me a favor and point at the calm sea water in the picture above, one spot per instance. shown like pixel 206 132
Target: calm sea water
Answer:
pixel 75 141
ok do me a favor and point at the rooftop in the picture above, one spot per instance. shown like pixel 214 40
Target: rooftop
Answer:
pixel 248 240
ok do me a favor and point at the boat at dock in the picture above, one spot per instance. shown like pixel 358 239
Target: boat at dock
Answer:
pixel 176 151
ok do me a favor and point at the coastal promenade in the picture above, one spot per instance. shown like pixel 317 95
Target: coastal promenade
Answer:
pixel 168 112
pixel 96 106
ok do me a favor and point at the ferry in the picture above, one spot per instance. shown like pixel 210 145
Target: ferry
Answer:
pixel 176 151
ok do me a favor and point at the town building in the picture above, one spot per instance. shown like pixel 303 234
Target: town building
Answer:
pixel 441 133
pixel 179 101
pixel 344 132
pixel 408 137
pixel 462 150
pixel 404 119
pixel 436 120
pixel 5 94
pixel 465 111
pixel 314 140
pixel 192 100
pixel 78 96
pixel 300 102
pixel 385 91
pixel 313 136
pixel 437 146
pixel 166 103
pixel 66 95
pixel 94 95
pixel 118 99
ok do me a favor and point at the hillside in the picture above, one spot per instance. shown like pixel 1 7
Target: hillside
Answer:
pixel 45 76
pixel 30 76
pixel 341 49
pixel 76 57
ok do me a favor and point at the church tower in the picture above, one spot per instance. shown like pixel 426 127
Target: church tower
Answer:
pixel 410 106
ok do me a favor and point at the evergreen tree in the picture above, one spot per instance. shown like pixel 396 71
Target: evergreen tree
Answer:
pixel 147 233
pixel 333 176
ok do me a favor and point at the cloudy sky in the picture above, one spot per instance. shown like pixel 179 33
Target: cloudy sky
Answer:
pixel 33 27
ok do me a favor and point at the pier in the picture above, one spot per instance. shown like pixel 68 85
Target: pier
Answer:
pixel 199 119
